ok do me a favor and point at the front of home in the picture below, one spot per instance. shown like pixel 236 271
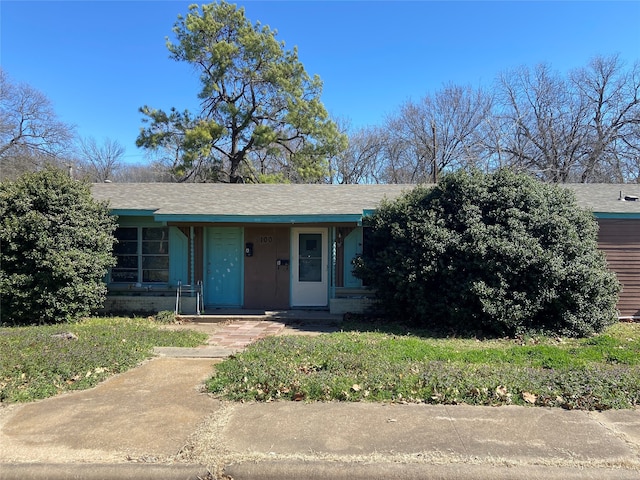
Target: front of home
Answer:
pixel 257 247
pixel 280 247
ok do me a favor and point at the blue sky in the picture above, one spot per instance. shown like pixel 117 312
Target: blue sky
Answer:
pixel 99 61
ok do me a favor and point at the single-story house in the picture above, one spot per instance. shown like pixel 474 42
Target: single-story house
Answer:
pixel 256 247
pixel 278 247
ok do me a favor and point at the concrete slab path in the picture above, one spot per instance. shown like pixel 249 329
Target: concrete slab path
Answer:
pixel 146 414
pixel 238 335
pixel 227 338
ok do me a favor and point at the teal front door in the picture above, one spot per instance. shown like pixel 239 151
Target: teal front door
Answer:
pixel 224 267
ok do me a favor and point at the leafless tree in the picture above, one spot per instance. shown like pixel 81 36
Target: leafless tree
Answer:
pixel 101 161
pixel 583 128
pixel 542 123
pixel 397 159
pixel 143 173
pixel 30 132
pixel 438 133
pixel 410 144
pixel 611 96
pixel 362 161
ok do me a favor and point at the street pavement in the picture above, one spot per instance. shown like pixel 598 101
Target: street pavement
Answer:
pixel 155 422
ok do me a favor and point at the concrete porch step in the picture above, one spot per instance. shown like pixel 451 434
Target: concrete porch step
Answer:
pixel 198 352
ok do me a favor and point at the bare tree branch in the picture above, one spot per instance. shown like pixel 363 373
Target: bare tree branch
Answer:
pixel 28 124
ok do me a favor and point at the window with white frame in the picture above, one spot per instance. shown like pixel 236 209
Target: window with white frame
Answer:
pixel 142 255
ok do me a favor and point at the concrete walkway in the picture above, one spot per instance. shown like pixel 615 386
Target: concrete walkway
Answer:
pixel 224 338
pixel 155 422
pixel 231 333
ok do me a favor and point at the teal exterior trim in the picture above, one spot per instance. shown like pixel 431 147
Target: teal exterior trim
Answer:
pixel 120 212
pixel 192 253
pixel 178 257
pixel 352 247
pixel 148 218
pixel 139 221
pixel 267 219
pixel 366 213
pixel 616 215
pixel 333 246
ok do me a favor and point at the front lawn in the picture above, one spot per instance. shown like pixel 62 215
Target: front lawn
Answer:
pixel 596 373
pixel 42 361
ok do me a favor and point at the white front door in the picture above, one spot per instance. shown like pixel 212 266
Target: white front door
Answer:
pixel 309 268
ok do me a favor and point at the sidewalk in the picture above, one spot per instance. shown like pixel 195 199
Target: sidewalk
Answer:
pixel 360 440
pixel 154 422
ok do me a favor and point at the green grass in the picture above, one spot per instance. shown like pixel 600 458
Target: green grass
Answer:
pixel 35 364
pixel 601 372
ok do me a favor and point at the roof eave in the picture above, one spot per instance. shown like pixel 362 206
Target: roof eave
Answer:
pixel 131 212
pixel 260 219
pixel 622 215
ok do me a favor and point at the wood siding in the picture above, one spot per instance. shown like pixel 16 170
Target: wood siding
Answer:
pixel 620 240
pixel 266 272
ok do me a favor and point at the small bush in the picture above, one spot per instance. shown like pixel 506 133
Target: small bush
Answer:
pixel 165 316
pixel 498 254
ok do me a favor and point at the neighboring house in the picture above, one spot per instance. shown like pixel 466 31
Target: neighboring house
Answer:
pixel 617 209
pixel 278 247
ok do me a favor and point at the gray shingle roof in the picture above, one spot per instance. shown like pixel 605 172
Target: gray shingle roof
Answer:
pixel 218 199
pixel 215 199
pixel 605 197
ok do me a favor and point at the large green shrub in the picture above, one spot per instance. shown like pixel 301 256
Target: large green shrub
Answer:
pixel 55 248
pixel 499 254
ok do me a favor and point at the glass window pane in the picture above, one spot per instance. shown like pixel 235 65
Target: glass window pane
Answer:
pixel 125 247
pixel 310 257
pixel 310 244
pixel 161 233
pixel 126 276
pixel 126 233
pixel 310 270
pixel 155 247
pixel 127 261
pixel 155 262
pixel 155 276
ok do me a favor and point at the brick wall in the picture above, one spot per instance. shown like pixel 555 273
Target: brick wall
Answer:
pixel 121 304
pixel 340 306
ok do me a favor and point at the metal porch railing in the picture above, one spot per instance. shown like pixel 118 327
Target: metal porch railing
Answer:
pixel 189 291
